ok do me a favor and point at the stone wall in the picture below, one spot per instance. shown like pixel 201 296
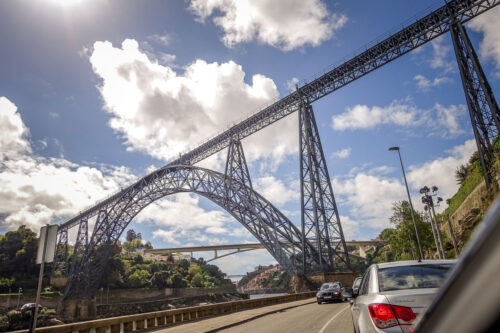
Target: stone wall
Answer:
pixel 471 206
pixel 50 302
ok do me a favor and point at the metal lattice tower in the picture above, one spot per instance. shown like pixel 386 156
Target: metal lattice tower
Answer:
pixel 483 108
pixel 60 263
pixel 320 218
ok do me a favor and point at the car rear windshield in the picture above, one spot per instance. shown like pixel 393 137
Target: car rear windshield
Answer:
pixel 412 277
pixel 330 286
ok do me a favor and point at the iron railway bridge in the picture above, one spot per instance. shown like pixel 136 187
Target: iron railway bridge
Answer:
pixel 318 244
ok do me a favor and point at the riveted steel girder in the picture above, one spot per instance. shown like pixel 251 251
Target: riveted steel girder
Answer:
pixel 482 105
pixel 320 218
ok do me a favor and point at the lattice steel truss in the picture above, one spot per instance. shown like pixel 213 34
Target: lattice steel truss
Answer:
pixel 483 108
pixel 320 218
pixel 60 263
pixel 264 221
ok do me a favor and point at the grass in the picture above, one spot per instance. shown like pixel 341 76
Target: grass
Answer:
pixel 472 181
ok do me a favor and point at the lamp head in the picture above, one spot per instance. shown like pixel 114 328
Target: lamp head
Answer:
pixel 425 190
pixel 393 148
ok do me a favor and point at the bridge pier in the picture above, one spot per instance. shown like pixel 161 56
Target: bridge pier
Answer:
pixel 311 282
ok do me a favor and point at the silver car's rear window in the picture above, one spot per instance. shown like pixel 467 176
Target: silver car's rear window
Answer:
pixel 412 277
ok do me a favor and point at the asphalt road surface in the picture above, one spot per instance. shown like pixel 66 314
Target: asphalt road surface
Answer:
pixel 311 318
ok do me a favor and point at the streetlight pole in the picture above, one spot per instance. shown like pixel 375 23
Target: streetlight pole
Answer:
pixel 411 207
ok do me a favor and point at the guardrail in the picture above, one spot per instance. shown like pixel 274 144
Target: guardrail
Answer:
pixel 168 317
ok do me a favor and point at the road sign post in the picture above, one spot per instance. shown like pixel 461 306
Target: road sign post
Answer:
pixel 45 254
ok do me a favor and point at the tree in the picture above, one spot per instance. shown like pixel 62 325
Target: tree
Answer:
pixel 197 280
pixel 184 263
pixel 132 245
pixel 130 235
pixel 398 237
pixel 160 279
pixel 148 245
pixel 461 173
pixel 176 281
pixel 17 257
pixel 138 279
pixel 193 270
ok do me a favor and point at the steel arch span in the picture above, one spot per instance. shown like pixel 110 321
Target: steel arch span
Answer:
pixel 264 221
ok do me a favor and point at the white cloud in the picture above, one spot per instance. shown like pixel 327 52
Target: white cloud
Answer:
pixel 489 25
pixel 163 113
pixel 441 171
pixel 368 196
pixel 291 85
pixel 402 113
pixel 424 84
pixel 363 117
pixel 244 262
pixel 161 39
pixel 441 50
pixel 349 227
pixel 182 212
pixel 447 118
pixel 13 133
pixel 36 190
pixel 286 24
pixel 276 191
pixel 343 153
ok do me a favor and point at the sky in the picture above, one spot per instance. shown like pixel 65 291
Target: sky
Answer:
pixel 97 93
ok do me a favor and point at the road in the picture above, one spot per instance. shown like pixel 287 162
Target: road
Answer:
pixel 311 318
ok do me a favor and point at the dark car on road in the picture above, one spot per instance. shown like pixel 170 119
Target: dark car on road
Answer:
pixel 330 292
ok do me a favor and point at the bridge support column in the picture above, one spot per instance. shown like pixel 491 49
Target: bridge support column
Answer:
pixel 483 108
pixel 61 258
pixel 319 215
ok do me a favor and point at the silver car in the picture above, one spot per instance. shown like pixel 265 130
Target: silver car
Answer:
pixel 393 294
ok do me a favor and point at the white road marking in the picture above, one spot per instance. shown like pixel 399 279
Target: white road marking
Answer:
pixel 322 330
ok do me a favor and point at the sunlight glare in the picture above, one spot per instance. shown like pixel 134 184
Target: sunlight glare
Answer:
pixel 66 3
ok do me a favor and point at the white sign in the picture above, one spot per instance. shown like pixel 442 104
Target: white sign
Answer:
pixel 48 239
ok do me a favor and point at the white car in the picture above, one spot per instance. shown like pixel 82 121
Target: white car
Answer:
pixel 393 294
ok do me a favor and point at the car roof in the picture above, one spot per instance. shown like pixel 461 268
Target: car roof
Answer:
pixel 415 262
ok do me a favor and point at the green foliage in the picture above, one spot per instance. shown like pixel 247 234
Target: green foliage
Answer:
pixel 194 270
pixel 133 245
pixel 177 281
pixel 139 279
pixel 474 178
pixel 399 244
pixel 183 263
pixel 197 280
pixel 17 259
pixel 160 279
pixel 131 235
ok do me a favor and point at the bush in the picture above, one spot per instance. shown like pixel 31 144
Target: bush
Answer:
pixel 160 279
pixel 139 279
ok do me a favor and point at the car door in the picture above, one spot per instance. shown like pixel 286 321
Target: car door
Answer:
pixel 363 292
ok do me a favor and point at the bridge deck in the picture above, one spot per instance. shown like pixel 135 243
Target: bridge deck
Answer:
pixel 242 247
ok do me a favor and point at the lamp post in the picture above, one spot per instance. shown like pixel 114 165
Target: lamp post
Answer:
pixel 411 207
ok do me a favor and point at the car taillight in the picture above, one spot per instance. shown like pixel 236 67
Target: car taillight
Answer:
pixel 404 315
pixel 385 315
